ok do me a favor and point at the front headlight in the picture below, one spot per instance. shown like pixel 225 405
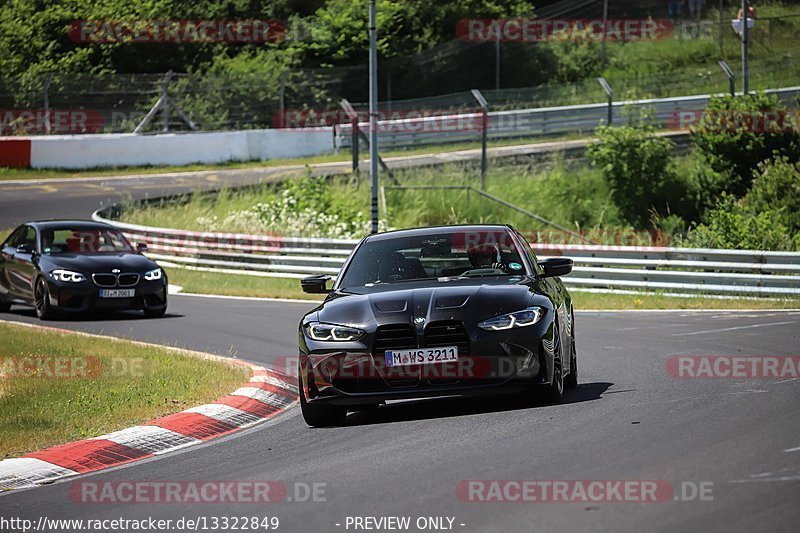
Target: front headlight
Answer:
pixel 67 275
pixel 332 333
pixel 520 319
pixel 153 274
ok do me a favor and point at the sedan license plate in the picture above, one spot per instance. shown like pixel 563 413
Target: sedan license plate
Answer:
pixel 422 356
pixel 117 293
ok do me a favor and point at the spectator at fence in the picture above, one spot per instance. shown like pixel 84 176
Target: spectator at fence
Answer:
pixel 696 8
pixel 738 27
pixel 751 12
pixel 674 8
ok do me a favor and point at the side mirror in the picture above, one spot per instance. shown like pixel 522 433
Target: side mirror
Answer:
pixel 555 267
pixel 24 249
pixel 141 247
pixel 315 284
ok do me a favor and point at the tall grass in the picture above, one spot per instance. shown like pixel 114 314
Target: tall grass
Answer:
pixel 569 194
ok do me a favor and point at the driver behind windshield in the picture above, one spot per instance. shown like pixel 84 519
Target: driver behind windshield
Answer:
pixel 486 256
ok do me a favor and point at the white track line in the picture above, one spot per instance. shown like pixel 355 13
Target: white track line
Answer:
pixel 732 329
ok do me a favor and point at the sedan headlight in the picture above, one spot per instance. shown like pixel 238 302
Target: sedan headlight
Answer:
pixel 330 332
pixel 67 275
pixel 154 274
pixel 520 319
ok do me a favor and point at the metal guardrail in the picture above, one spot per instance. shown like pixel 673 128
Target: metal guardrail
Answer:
pixel 709 271
pixel 547 121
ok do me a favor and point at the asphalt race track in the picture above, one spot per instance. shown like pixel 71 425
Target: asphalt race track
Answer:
pixel 628 420
pixel 21 201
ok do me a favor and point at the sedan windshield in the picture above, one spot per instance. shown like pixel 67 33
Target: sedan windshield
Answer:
pixel 430 256
pixel 84 241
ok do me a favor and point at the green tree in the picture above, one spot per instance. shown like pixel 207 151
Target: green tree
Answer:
pixel 766 218
pixel 736 133
pixel 576 57
pixel 638 167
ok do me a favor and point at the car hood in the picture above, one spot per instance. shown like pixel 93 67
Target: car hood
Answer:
pixel 99 262
pixel 468 300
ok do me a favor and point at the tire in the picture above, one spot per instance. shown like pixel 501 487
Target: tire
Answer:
pixel 555 390
pixel 571 381
pixel 41 301
pixel 5 307
pixel 158 312
pixel 320 415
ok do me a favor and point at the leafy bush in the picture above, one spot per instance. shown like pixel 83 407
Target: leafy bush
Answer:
pixel 638 167
pixel 576 57
pixel 303 207
pixel 777 188
pixel 736 133
pixel 766 218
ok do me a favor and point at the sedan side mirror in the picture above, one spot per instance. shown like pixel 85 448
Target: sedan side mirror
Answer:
pixel 315 284
pixel 555 267
pixel 24 249
pixel 141 247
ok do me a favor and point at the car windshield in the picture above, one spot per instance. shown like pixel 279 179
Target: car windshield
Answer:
pixel 430 256
pixel 84 241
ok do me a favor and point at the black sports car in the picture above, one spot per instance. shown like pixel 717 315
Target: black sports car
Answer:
pixel 68 265
pixel 456 310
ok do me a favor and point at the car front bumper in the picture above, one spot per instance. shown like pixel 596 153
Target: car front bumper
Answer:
pixel 495 363
pixel 79 297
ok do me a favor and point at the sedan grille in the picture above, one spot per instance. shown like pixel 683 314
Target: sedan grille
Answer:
pixel 128 280
pixel 105 280
pixel 115 280
pixel 447 333
pixel 394 337
pixel 403 336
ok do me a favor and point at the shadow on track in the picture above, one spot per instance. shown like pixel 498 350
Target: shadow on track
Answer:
pixel 97 315
pixel 451 407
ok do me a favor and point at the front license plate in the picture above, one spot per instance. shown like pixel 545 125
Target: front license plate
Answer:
pixel 117 293
pixel 422 356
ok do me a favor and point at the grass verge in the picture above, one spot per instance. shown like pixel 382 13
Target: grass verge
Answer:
pixel 198 282
pixel 59 387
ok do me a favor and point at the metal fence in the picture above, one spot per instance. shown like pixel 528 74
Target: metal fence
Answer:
pixel 681 270
pixel 667 113
pixel 66 103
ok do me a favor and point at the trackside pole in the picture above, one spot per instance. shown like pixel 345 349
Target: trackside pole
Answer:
pixel 373 112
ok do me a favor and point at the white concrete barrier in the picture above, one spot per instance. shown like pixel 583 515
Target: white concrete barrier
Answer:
pixel 89 151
